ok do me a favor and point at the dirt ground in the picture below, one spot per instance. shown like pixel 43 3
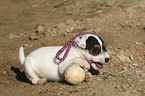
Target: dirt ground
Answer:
pixel 36 23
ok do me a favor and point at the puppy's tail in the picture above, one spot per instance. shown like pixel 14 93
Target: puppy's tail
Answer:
pixel 21 55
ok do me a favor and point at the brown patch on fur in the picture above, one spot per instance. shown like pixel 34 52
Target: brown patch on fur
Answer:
pixel 92 51
pixel 97 46
pixel 87 51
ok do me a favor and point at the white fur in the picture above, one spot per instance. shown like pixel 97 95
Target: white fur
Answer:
pixel 41 65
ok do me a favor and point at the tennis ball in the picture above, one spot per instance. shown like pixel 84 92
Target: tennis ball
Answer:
pixel 74 74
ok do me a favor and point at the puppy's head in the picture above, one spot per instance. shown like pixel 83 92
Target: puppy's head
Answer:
pixel 94 49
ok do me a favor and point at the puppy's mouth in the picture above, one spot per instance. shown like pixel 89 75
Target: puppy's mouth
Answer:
pixel 98 64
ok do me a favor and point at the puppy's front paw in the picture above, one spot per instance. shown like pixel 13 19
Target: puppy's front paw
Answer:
pixel 85 65
pixel 88 76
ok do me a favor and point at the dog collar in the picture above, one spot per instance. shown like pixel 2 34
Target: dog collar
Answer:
pixel 68 45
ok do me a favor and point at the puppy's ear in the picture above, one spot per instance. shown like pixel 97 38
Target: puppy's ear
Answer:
pixel 81 41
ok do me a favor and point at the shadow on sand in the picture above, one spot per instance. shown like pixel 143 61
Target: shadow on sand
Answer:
pixel 20 76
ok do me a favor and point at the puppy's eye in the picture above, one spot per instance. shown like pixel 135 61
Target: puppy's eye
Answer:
pixel 95 51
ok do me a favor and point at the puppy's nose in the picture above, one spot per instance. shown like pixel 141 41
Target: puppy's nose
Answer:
pixel 106 60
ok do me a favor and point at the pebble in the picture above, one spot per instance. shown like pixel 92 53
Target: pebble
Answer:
pixel 124 58
pixel 135 64
pixel 70 29
pixel 139 43
pixel 12 36
pixel 40 28
pixel 124 68
pixel 4 72
pixel 131 57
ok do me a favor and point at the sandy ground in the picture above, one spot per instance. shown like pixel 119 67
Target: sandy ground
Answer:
pixel 36 23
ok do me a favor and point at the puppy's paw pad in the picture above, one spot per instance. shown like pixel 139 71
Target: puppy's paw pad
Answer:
pixel 88 77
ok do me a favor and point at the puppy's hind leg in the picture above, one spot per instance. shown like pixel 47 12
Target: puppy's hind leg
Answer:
pixel 32 75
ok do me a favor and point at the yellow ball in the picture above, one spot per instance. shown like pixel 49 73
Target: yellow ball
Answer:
pixel 74 74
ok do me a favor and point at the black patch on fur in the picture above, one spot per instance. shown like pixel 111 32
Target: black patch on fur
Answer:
pixel 103 44
pixel 90 45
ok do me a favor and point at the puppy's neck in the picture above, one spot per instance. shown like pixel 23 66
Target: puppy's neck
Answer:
pixel 78 50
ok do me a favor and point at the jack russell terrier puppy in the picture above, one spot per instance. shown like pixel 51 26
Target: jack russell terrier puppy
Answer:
pixel 42 65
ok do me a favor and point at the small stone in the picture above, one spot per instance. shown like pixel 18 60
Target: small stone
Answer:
pixel 26 45
pixel 40 28
pixel 12 36
pixel 124 68
pixel 70 29
pixel 124 58
pixel 131 57
pixel 4 72
pixel 135 64
pixel 139 43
